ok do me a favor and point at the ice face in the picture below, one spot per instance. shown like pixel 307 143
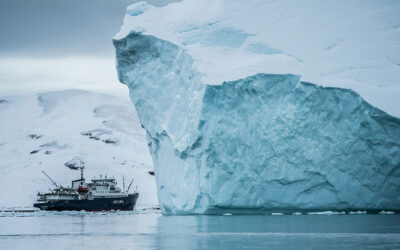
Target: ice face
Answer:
pixel 264 142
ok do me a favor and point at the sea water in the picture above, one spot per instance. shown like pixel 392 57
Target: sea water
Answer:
pixel 151 230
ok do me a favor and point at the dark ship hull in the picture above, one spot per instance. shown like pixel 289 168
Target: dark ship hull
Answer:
pixel 97 204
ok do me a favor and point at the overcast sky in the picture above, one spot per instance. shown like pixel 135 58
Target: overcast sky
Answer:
pixel 60 44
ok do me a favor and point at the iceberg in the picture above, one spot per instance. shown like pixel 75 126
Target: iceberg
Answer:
pixel 253 142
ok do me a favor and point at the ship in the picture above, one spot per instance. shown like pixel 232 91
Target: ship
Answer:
pixel 101 194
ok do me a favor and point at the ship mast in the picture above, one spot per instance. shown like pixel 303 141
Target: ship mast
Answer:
pixel 82 178
pixel 123 183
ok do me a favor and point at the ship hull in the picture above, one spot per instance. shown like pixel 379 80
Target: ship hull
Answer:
pixel 97 204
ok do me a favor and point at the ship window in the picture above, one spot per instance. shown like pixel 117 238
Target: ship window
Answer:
pixel 81 182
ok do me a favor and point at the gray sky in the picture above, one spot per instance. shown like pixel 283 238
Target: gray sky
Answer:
pixel 61 27
pixel 49 45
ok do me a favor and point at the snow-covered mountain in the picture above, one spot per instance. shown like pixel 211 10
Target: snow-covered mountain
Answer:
pixel 44 131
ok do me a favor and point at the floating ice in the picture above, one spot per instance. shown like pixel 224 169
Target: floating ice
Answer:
pixel 358 212
pixel 326 213
pixel 256 142
pixel 386 212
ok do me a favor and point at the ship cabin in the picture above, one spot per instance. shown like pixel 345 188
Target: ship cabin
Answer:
pixel 104 187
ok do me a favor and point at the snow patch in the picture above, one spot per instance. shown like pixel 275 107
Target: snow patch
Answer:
pixel 233 40
pixel 137 8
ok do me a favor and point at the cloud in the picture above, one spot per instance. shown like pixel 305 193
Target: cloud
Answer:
pixel 32 75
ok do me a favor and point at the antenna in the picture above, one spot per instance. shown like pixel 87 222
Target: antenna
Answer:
pixel 55 184
pixel 129 186
pixel 123 183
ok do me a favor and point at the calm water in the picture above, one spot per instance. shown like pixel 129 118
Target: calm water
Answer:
pixel 129 230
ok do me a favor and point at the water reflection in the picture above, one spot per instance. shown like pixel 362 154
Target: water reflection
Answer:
pixel 154 231
pixel 292 232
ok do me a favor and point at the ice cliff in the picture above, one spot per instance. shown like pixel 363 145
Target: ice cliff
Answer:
pixel 255 142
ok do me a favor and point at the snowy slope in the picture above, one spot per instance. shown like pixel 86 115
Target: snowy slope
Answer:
pixel 44 131
pixel 349 44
